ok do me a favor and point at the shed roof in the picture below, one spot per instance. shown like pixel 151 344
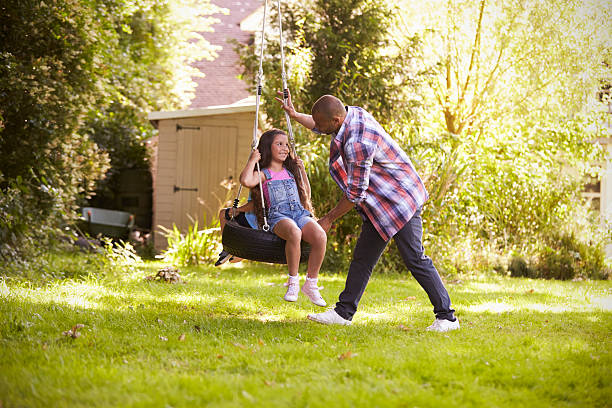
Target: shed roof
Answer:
pixel 244 105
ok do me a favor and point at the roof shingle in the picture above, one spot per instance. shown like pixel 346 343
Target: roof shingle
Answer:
pixel 221 85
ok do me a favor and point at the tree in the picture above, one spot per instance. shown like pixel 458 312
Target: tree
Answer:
pixel 505 63
pixel 47 82
pixel 508 115
pixel 148 56
pixel 64 64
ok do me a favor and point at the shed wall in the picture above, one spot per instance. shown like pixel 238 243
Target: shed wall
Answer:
pixel 190 159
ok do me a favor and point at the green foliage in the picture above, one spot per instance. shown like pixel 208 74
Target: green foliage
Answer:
pixel 505 144
pixel 146 54
pixel 520 188
pixel 193 247
pixel 47 81
pixel 500 141
pixel 564 257
pixel 519 268
pixel 120 257
pixel 76 81
pixel 336 47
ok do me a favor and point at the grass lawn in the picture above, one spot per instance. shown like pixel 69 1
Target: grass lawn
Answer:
pixel 226 338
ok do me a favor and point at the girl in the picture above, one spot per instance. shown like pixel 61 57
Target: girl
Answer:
pixel 287 195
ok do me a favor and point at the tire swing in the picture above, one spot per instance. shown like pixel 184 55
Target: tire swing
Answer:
pixel 261 245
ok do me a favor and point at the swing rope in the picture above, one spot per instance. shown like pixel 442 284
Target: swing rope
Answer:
pixel 284 78
pixel 258 93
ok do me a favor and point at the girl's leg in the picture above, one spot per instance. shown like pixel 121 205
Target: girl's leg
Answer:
pixel 317 238
pixel 288 230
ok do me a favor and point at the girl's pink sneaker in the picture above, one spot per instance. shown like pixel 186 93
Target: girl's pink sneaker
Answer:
pixel 311 290
pixel 293 288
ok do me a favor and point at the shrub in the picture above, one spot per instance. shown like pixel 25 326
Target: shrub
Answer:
pixel 519 268
pixel 70 70
pixel 120 256
pixel 192 248
pixel 565 257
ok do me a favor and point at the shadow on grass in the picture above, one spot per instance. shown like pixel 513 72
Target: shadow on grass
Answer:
pixel 228 330
pixel 221 302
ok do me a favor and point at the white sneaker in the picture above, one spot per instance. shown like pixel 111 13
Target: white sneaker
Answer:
pixel 293 288
pixel 329 317
pixel 311 290
pixel 443 325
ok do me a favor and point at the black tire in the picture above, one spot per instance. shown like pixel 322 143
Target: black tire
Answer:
pixel 257 245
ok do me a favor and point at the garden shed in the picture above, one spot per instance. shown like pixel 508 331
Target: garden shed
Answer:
pixel 198 152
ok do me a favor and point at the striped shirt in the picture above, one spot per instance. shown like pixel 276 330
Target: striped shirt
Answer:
pixel 375 173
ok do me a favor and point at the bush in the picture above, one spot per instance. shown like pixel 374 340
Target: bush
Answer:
pixel 563 257
pixel 47 83
pixel 120 257
pixel 76 78
pixel 519 268
pixel 194 247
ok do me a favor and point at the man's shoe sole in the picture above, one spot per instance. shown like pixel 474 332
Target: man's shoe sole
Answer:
pixel 328 324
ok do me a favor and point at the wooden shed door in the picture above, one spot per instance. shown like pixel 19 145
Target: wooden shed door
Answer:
pixel 205 157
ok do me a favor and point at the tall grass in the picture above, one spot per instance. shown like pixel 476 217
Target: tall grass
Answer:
pixel 194 247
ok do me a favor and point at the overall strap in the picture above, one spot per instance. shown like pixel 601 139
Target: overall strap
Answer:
pixel 266 173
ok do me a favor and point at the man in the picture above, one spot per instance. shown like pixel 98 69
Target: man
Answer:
pixel 377 179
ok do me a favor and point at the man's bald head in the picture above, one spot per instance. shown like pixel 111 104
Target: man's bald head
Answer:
pixel 328 107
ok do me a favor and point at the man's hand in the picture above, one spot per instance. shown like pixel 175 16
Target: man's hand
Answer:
pixel 325 223
pixel 343 206
pixel 301 118
pixel 288 106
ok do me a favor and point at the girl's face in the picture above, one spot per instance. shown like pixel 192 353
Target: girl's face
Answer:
pixel 280 148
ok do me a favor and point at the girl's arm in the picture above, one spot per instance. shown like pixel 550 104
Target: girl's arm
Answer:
pixel 249 177
pixel 304 176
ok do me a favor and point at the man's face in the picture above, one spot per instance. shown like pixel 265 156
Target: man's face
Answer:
pixel 326 125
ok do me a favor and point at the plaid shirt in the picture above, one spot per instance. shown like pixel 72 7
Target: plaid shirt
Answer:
pixel 375 173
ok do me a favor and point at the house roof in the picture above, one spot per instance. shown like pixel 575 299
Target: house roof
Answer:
pixel 221 85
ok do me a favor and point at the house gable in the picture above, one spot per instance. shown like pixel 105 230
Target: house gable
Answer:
pixel 221 85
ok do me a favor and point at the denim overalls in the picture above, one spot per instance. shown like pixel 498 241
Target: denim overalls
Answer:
pixel 284 202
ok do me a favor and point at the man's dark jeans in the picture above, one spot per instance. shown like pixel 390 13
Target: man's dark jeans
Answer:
pixel 370 246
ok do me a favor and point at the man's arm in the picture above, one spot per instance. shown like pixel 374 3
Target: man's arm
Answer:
pixel 343 206
pixel 301 118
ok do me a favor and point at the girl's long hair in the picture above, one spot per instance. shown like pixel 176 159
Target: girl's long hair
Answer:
pixel 265 148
